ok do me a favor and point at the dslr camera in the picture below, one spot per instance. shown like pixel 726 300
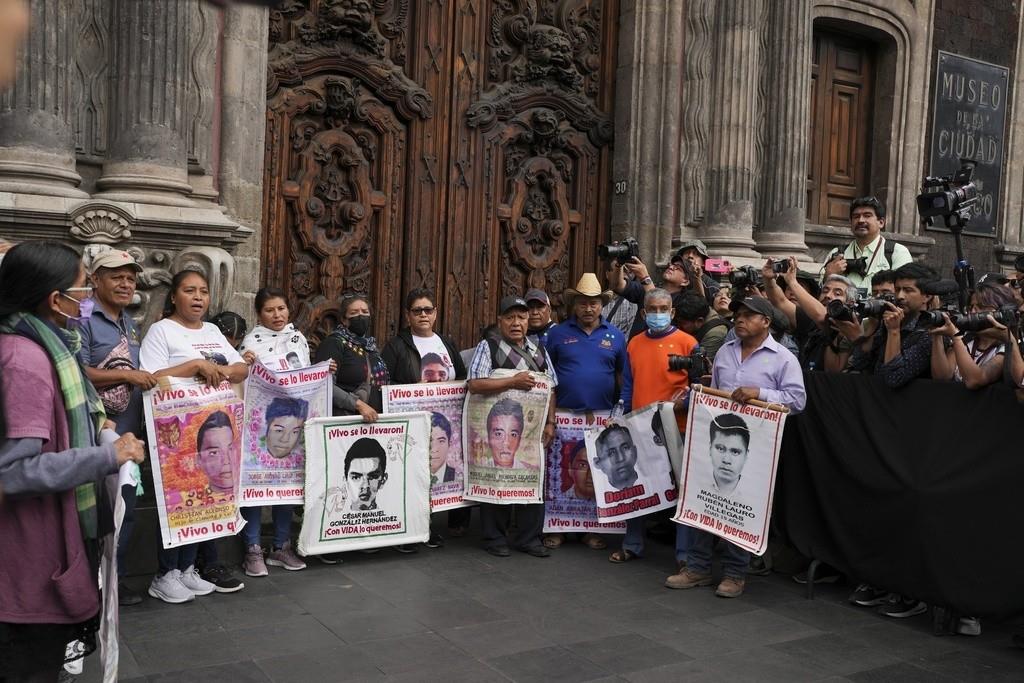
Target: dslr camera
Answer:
pixel 952 198
pixel 744 277
pixel 855 266
pixel 971 322
pixel 622 252
pixel 861 308
pixel 695 361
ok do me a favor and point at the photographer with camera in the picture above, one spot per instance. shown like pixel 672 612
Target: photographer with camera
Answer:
pixel 900 350
pixel 972 348
pixel 869 252
pixel 695 317
pixel 883 284
pixel 648 379
pixel 628 276
pixel 821 345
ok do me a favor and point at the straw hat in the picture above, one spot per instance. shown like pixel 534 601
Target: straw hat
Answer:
pixel 588 286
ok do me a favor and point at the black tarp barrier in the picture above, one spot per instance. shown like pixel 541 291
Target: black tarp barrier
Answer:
pixel 918 491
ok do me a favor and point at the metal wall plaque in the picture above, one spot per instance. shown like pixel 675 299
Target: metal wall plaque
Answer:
pixel 968 121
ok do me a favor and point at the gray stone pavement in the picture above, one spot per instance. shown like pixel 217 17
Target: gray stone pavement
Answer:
pixel 458 614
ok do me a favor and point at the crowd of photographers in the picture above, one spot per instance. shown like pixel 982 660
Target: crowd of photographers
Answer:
pixel 871 309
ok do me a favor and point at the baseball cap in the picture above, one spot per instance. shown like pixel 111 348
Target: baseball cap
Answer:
pixel 993 279
pixel 755 303
pixel 510 302
pixel 113 258
pixel 537 295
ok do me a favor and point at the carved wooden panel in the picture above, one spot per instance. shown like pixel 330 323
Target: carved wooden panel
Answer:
pixel 461 145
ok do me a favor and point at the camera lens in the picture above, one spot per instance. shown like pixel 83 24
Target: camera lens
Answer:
pixel 613 252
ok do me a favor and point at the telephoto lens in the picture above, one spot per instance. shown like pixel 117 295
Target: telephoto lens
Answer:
pixel 930 319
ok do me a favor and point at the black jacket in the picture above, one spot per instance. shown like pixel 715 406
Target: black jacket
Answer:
pixel 403 358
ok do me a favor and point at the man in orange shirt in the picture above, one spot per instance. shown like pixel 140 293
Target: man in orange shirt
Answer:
pixel 647 380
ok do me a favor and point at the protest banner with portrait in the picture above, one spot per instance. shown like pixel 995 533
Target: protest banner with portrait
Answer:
pixel 729 465
pixel 503 436
pixel 444 401
pixel 277 405
pixel 629 461
pixel 367 483
pixel 569 498
pixel 195 444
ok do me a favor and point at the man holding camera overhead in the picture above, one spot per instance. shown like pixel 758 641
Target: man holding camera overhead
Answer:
pixel 869 252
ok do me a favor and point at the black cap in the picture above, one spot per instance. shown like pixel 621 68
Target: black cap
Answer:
pixel 510 302
pixel 757 304
pixel 537 295
pixel 993 279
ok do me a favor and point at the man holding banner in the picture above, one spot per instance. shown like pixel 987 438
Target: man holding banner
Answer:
pixel 514 352
pixel 752 367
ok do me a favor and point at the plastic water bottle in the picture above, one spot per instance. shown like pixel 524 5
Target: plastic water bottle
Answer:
pixel 618 411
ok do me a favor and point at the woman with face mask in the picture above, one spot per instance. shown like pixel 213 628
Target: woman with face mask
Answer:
pixel 50 464
pixel 360 370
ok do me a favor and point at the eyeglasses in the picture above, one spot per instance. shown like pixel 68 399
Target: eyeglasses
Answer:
pixel 422 310
pixel 87 290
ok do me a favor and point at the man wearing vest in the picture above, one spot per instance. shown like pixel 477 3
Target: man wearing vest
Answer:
pixel 869 252
pixel 512 349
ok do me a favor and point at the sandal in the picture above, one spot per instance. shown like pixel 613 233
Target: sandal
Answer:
pixel 594 542
pixel 623 555
pixel 553 541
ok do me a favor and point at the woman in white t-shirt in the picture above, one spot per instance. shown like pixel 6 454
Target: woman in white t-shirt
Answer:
pixel 183 345
pixel 275 343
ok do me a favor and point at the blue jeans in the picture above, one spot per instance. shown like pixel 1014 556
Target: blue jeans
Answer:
pixel 633 541
pixel 182 557
pixel 698 560
pixel 282 515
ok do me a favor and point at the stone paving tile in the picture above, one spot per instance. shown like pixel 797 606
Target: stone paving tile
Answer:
pixel 160 655
pixel 410 653
pixel 236 672
pixel 902 672
pixel 548 664
pixel 285 636
pixel 836 653
pixel 631 652
pixel 341 663
pixel 762 627
pixel 496 638
pixel 974 665
pixel 357 627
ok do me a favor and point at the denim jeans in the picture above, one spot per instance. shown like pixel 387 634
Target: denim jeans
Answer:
pixel 633 541
pixel 182 557
pixel 734 559
pixel 282 515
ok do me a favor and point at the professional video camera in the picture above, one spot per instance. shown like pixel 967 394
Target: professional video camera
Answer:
pixel 861 308
pixel 695 361
pixel 954 198
pixel 622 252
pixel 744 277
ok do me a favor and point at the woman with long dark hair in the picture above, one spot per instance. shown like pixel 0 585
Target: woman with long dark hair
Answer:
pixel 50 464
pixel 360 372
pixel 182 344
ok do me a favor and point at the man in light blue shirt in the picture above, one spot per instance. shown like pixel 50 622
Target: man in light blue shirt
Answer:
pixel 752 366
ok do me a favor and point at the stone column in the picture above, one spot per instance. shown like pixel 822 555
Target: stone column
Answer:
pixel 37 149
pixel 648 130
pixel 731 154
pixel 783 198
pixel 147 159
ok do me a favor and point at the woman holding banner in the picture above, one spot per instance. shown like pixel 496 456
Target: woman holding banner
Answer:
pixel 183 345
pixel 272 341
pixel 360 370
pixel 418 354
pixel 49 464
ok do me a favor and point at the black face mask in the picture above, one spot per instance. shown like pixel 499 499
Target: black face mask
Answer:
pixel 359 325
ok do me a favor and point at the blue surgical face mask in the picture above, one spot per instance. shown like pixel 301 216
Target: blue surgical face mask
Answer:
pixel 658 322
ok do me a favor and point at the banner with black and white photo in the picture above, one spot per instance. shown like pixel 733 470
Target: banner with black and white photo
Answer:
pixel 630 465
pixel 728 474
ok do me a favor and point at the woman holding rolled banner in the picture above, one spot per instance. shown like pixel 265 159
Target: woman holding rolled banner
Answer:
pixel 184 345
pixel 50 464
pixel 275 343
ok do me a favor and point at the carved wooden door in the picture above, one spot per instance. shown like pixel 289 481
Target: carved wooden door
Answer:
pixel 458 145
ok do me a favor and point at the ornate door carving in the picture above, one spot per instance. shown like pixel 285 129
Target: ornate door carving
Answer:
pixel 463 146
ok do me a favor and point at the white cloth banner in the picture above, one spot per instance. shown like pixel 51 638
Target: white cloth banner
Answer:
pixel 277 405
pixel 729 465
pixel 629 460
pixel 444 401
pixel 503 436
pixel 195 445
pixel 367 483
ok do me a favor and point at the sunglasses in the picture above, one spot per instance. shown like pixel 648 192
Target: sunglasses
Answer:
pixel 422 310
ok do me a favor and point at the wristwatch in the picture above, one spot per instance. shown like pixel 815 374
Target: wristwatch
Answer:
pixel 647 281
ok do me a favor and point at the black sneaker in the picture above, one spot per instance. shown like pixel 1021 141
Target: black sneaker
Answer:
pixel 407 548
pixel 435 541
pixel 899 607
pixel 223 579
pixel 869 596
pixel 126 597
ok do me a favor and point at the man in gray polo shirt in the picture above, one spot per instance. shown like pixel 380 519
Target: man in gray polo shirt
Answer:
pixel 110 356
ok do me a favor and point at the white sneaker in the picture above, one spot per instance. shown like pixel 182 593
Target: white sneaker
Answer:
pixel 169 588
pixel 191 580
